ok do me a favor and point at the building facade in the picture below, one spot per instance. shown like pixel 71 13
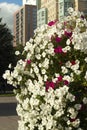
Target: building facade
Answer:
pixel 25 22
pixel 29 2
pixel 38 3
pixel 54 10
pixel 81 5
pixel 42 16
pixel 50 8
pixel 63 6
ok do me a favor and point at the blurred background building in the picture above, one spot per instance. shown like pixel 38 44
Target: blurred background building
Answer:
pixel 25 22
pixel 63 6
pixel 35 13
pixel 47 11
pixel 29 2
pixel 81 5
pixel 50 10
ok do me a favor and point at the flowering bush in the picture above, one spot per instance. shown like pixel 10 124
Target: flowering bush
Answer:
pixel 53 77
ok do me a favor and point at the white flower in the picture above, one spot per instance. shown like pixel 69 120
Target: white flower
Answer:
pixel 43 71
pixel 68 122
pixel 76 123
pixel 67 48
pixel 37 49
pixel 73 113
pixel 79 129
pixel 68 78
pixel 86 76
pixel 6 74
pixel 68 42
pixel 25 104
pixel 77 46
pixel 86 59
pixel 17 53
pixel 70 10
pixel 38 56
pixel 40 65
pixel 78 106
pixel 31 40
pixel 19 78
pixel 43 54
pixel 36 70
pixel 70 97
pixel 9 66
pixel 64 70
pixel 85 100
pixel 75 67
pixel 56 75
pixel 45 77
pixel 14 74
pixel 68 64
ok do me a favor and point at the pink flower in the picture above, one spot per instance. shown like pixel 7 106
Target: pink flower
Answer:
pixel 65 23
pixel 50 84
pixel 73 62
pixel 51 23
pixel 83 107
pixel 82 16
pixel 72 120
pixel 58 49
pixel 66 82
pixel 60 78
pixel 28 61
pixel 68 34
pixel 58 39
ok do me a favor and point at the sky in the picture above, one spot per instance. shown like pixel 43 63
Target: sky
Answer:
pixel 7 9
pixel 19 2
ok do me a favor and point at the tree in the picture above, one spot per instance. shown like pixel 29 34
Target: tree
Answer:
pixel 19 48
pixel 6 48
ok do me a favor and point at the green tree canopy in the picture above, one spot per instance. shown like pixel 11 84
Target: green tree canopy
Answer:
pixel 6 48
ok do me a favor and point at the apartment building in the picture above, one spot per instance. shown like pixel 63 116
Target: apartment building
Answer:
pixel 42 16
pixel 29 2
pixel 63 6
pixel 25 21
pixel 48 8
pixel 52 10
pixel 81 5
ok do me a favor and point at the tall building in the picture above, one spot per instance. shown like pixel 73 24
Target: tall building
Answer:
pixel 42 17
pixel 38 3
pixel 81 5
pixel 29 2
pixel 48 11
pixel 63 6
pixel 25 21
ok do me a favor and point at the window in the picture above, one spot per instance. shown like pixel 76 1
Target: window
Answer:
pixel 42 13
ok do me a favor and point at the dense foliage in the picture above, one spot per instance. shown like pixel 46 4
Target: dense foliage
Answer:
pixel 53 77
pixel 6 48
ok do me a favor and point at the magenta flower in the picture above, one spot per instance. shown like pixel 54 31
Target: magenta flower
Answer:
pixel 72 120
pixel 82 16
pixel 28 61
pixel 50 84
pixel 83 107
pixel 73 62
pixel 66 82
pixel 60 78
pixel 68 34
pixel 51 23
pixel 58 39
pixel 65 23
pixel 58 49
